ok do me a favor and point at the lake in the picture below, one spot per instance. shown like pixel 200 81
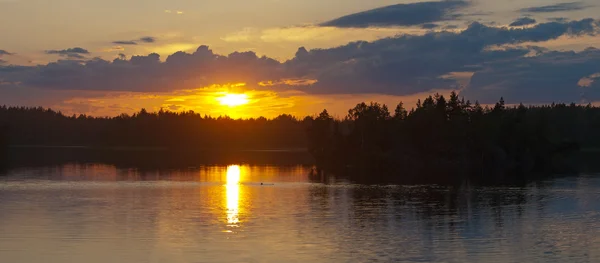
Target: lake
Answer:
pixel 259 212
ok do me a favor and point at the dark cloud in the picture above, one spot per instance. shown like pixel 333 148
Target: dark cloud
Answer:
pixel 547 78
pixel 5 53
pixel 2 62
pixel 562 7
pixel 124 42
pixel 402 65
pixel 410 64
pixel 148 39
pixel 135 42
pixel 429 26
pixel 74 53
pixel 559 19
pixel 147 73
pixel 523 21
pixel 74 56
pixel 402 15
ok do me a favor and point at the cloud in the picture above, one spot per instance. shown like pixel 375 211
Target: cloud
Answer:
pixel 588 81
pixel 146 73
pixel 5 53
pixel 135 42
pixel 76 52
pixel 401 65
pixel 559 19
pixel 124 42
pixel 429 26
pixel 288 82
pixel 402 15
pixel 523 21
pixel 147 39
pixel 562 7
pixel 2 61
pixel 408 64
pixel 550 77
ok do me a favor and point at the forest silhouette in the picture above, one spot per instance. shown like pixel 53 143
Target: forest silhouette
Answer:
pixel 162 129
pixel 453 141
pixel 438 141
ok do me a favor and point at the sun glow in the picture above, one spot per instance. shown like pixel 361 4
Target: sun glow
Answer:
pixel 233 100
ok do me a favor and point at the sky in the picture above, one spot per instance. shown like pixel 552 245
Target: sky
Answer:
pixel 109 57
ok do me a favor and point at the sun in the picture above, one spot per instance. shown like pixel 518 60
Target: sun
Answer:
pixel 233 100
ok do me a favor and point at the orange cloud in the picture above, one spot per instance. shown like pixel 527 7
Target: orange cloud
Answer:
pixel 588 81
pixel 289 82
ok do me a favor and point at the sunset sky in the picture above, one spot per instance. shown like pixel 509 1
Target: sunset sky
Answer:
pixel 249 58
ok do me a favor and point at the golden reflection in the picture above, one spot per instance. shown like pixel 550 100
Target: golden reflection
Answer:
pixel 233 194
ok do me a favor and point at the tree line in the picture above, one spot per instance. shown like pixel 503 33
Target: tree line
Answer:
pixel 25 126
pixel 452 140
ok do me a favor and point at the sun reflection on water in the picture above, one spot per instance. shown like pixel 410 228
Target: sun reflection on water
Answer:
pixel 233 194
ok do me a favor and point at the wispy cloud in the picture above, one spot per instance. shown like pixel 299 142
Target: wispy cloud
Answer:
pixel 288 82
pixel 562 7
pixel 429 26
pixel 146 39
pixel 2 61
pixel 5 53
pixel 523 21
pixel 124 42
pixel 75 52
pixel 402 14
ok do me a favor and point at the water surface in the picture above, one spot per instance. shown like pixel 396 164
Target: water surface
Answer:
pixel 221 213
